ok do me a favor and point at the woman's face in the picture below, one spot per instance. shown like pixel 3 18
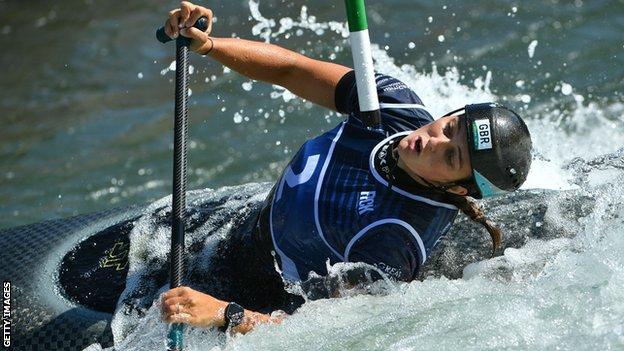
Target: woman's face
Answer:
pixel 437 152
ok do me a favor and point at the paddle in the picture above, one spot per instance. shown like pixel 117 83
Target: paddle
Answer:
pixel 363 64
pixel 178 210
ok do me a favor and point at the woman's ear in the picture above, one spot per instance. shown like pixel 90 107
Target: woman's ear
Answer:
pixel 457 190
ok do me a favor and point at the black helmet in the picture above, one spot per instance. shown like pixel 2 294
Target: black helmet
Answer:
pixel 500 149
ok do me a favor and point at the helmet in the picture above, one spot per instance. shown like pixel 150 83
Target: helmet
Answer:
pixel 499 144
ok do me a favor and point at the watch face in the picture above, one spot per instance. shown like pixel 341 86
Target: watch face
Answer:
pixel 235 314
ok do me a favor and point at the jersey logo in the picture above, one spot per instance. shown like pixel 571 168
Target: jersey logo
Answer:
pixel 367 201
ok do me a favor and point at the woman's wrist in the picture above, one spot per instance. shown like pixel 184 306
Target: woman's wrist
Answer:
pixel 208 46
pixel 221 320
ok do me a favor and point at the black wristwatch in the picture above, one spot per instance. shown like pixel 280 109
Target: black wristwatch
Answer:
pixel 233 316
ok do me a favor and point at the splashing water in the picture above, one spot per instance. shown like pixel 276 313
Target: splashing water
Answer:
pixel 563 293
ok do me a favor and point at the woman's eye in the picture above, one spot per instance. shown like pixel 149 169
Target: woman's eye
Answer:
pixel 447 130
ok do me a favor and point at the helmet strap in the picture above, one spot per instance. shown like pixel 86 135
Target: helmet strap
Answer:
pixel 441 188
pixel 438 188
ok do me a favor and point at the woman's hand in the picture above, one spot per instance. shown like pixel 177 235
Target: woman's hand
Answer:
pixel 180 22
pixel 185 305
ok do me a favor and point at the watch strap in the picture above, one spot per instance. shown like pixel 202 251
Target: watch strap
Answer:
pixel 233 316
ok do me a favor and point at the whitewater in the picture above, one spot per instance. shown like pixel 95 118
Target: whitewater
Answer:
pixel 564 293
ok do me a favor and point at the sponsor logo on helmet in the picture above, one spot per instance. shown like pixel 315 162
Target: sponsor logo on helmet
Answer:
pixel 482 134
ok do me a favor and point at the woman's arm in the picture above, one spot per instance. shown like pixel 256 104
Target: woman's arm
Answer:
pixel 310 79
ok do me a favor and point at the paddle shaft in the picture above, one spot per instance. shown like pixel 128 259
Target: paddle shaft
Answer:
pixel 178 206
pixel 178 210
pixel 363 64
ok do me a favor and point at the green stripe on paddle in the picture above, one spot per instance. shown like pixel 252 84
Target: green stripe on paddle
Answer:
pixel 356 15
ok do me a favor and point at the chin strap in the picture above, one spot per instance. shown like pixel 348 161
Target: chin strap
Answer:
pixel 395 175
pixel 443 188
pixel 440 188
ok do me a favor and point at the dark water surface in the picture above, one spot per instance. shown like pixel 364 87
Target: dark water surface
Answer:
pixel 86 111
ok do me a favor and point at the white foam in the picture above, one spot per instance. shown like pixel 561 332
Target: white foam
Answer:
pixel 547 175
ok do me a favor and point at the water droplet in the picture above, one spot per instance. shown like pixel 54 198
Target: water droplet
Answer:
pixel 531 48
pixel 41 22
pixel 238 118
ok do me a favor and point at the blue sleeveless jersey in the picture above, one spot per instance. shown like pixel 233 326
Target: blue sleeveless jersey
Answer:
pixel 331 205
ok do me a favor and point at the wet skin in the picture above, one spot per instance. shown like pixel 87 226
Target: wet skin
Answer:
pixel 437 152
